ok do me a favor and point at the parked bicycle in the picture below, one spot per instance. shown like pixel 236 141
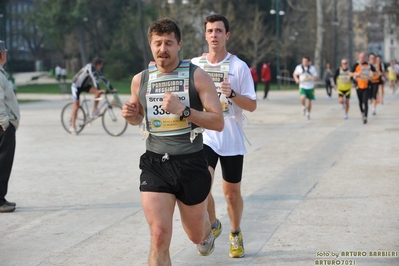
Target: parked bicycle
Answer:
pixel 109 111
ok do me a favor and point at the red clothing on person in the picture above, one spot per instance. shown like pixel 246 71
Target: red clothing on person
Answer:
pixel 266 74
pixel 254 74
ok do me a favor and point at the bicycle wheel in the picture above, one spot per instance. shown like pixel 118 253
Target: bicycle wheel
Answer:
pixel 113 122
pixel 66 115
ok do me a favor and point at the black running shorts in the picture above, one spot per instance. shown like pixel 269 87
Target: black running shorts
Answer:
pixel 185 176
pixel 346 93
pixel 231 165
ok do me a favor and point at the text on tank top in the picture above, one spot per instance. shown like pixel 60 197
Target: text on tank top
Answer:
pixel 160 122
pixel 344 80
pixel 218 73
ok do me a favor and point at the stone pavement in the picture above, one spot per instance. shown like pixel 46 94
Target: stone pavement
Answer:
pixel 312 190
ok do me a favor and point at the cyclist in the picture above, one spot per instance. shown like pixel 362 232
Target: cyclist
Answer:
pixel 86 81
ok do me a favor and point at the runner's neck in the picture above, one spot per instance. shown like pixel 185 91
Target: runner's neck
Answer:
pixel 215 57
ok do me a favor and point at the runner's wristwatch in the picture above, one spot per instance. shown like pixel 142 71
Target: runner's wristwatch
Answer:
pixel 186 113
pixel 232 94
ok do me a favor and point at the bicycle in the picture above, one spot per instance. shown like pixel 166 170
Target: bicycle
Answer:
pixel 110 111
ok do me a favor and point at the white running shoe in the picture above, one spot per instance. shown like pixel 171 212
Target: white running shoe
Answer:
pixel 304 110
pixel 73 131
pixel 207 245
pixel 346 116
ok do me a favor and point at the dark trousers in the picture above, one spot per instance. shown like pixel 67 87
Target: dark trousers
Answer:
pixel 328 88
pixel 255 85
pixel 363 96
pixel 7 151
pixel 267 87
pixel 374 91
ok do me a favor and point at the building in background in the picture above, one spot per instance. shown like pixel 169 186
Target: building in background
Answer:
pixel 360 33
pixel 17 34
pixel 375 31
pixel 391 40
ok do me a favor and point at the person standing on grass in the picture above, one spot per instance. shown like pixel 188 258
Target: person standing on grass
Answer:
pixel 254 75
pixel 266 77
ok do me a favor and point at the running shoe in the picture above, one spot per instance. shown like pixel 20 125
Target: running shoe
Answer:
pixel 308 116
pixel 304 110
pixel 236 246
pixel 364 120
pixel 217 231
pixel 73 131
pixel 346 116
pixel 207 245
pixel 374 112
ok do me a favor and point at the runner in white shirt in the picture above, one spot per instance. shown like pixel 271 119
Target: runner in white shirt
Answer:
pixel 305 74
pixel 235 87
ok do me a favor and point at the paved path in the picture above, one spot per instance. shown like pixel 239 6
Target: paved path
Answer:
pixel 327 185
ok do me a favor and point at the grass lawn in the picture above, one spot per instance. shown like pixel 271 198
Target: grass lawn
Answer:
pixel 27 101
pixel 123 86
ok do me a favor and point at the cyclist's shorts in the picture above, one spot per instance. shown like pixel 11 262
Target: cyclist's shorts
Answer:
pixel 309 93
pixel 76 91
pixel 231 165
pixel 185 176
pixel 344 93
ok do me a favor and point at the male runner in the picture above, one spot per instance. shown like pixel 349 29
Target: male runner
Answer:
pixel 343 83
pixel 236 91
pixel 362 72
pixel 305 74
pixel 171 96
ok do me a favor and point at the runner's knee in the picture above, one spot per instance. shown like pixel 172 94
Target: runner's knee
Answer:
pixel 160 237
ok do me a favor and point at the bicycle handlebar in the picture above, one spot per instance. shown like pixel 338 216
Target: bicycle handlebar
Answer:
pixel 110 91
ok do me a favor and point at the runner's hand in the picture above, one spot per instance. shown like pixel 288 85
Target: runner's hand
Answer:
pixel 225 86
pixel 130 111
pixel 172 104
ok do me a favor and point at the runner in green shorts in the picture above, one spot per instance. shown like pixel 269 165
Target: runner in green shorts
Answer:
pixel 309 93
pixel 305 74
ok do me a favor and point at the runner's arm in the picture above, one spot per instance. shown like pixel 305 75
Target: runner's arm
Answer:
pixel 106 82
pixel 132 110
pixel 212 117
pixel 336 76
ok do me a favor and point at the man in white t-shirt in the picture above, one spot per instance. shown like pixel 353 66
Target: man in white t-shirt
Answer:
pixel 235 87
pixel 305 74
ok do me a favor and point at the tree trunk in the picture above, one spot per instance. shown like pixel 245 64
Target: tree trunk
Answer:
pixel 319 37
pixel 82 43
pixel 143 34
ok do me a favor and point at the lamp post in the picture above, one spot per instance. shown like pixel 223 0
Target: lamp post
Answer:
pixel 178 3
pixel 280 13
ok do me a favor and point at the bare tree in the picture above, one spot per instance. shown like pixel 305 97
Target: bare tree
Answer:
pixel 319 37
pixel 258 38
